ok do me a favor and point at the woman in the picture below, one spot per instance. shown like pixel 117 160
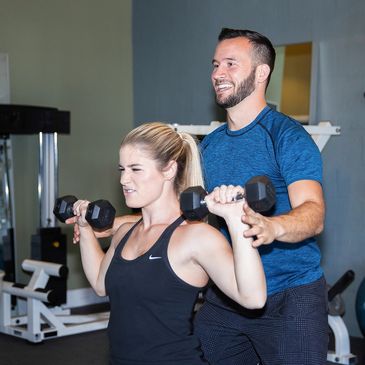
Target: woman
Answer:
pixel 155 268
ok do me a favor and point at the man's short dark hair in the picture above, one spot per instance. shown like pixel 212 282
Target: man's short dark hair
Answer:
pixel 263 50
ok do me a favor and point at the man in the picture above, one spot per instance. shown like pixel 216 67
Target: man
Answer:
pixel 256 140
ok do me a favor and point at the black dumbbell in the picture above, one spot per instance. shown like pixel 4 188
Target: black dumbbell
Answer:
pixel 100 214
pixel 259 194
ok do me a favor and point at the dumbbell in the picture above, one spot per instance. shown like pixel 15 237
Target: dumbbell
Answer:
pixel 100 214
pixel 259 194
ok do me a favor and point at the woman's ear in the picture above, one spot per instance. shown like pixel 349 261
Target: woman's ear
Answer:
pixel 170 170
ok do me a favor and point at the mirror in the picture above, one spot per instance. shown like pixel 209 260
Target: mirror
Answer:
pixel 289 90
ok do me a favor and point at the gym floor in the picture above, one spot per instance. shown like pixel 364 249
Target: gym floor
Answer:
pixel 84 349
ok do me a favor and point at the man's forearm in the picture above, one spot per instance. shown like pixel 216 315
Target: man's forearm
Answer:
pixel 307 220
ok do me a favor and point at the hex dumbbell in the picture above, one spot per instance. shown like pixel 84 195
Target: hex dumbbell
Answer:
pixel 100 214
pixel 259 194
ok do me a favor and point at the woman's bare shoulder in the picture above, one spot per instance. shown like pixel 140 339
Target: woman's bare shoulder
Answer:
pixel 193 231
pixel 123 228
pixel 196 226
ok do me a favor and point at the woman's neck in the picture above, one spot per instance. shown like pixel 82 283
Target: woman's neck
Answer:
pixel 162 212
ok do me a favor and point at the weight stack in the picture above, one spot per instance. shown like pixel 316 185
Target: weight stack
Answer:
pixel 50 244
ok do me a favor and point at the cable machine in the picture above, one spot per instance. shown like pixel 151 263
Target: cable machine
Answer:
pixel 48 244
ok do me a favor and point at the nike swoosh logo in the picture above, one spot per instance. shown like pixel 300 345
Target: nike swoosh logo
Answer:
pixel 154 257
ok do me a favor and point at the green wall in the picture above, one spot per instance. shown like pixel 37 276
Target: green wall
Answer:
pixel 75 56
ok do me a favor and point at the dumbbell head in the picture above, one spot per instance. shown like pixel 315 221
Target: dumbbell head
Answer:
pixel 100 214
pixel 192 203
pixel 63 208
pixel 260 193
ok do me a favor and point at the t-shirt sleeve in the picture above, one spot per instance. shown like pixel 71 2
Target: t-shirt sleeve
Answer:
pixel 298 155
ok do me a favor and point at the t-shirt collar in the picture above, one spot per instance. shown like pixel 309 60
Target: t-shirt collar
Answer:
pixel 249 126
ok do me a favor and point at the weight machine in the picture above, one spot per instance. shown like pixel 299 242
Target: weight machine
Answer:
pixel 46 291
pixel 48 244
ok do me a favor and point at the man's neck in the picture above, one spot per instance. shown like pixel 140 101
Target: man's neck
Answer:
pixel 244 113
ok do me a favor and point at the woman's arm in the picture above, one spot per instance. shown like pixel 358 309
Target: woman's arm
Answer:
pixel 94 261
pixel 239 275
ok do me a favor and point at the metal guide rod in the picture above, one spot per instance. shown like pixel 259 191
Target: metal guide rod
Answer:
pixel 47 178
pixel 7 183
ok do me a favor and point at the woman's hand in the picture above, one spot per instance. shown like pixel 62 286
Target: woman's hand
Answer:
pixel 79 209
pixel 222 202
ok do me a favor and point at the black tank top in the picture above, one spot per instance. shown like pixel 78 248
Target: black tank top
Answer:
pixel 151 308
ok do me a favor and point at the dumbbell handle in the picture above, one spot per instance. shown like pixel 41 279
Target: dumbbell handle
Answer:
pixel 237 198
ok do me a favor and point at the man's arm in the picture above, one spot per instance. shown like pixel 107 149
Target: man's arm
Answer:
pixel 305 220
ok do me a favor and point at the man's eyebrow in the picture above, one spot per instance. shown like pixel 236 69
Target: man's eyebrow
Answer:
pixel 225 59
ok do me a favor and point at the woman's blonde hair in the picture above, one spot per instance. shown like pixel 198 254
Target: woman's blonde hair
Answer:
pixel 164 144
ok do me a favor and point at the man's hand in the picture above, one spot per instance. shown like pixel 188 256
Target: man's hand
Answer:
pixel 304 220
pixel 79 210
pixel 262 228
pixel 76 237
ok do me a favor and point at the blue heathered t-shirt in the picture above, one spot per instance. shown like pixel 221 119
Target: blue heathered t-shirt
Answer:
pixel 278 147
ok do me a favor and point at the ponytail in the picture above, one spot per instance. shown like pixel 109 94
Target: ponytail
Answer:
pixel 193 170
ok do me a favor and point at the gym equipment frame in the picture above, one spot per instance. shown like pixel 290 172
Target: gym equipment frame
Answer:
pixel 342 353
pixel 320 133
pixel 41 322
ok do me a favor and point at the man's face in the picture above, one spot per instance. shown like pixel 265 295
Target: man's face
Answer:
pixel 233 74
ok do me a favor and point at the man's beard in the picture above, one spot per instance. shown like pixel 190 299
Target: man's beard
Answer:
pixel 245 88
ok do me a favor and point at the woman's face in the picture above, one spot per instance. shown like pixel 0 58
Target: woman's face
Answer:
pixel 141 178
